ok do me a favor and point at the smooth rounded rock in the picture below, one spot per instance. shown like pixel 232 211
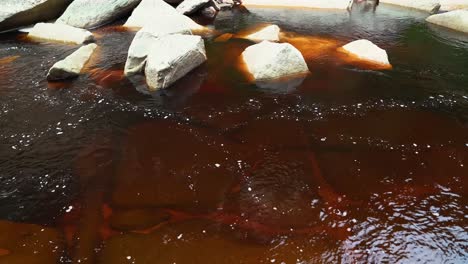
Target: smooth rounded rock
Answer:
pixel 72 65
pixel 188 7
pixel 450 5
pixel 269 61
pixel 150 12
pixel 92 13
pixel 367 51
pixel 15 14
pixel 456 20
pixel 60 33
pixel 270 33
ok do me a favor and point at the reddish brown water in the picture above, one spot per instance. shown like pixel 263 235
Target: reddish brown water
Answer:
pixel 353 165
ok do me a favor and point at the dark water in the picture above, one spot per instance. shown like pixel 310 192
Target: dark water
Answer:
pixel 352 166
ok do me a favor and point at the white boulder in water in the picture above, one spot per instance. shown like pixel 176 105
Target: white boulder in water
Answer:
pixel 72 65
pixel 450 5
pixel 19 13
pixel 171 57
pixel 431 6
pixel 154 11
pixel 367 51
pixel 92 13
pixel 268 61
pixel 319 4
pixel 270 33
pixel 60 33
pixel 146 37
pixel 188 7
pixel 456 20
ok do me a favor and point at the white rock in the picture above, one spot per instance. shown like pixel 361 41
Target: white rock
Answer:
pixel 72 65
pixel 269 61
pixel 61 33
pixel 151 12
pixel 270 33
pixel 92 13
pixel 319 4
pixel 431 6
pixel 171 58
pixel 456 20
pixel 188 7
pixel 449 5
pixel 146 37
pixel 368 51
pixel 19 13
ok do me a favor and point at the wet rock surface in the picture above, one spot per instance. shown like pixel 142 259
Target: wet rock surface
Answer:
pixel 60 33
pixel 72 65
pixel 91 14
pixel 15 14
pixel 456 20
pixel 171 57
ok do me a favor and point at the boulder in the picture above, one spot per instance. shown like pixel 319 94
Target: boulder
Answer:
pixel 154 11
pixel 319 4
pixel 365 50
pixel 172 57
pixel 72 65
pixel 456 20
pixel 92 13
pixel 431 6
pixel 188 7
pixel 270 33
pixel 15 14
pixel 450 5
pixel 60 33
pixel 146 37
pixel 269 61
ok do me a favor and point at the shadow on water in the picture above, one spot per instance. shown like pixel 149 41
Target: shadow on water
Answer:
pixel 350 164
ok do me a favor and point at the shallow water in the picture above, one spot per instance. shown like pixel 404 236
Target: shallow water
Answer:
pixel 354 165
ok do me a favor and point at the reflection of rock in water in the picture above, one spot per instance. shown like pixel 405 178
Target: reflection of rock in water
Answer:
pixel 177 93
pixel 281 86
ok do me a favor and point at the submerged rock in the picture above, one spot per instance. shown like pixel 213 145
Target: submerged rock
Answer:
pixel 15 14
pixel 270 61
pixel 456 20
pixel 367 51
pixel 172 57
pixel 146 37
pixel 137 219
pixel 270 33
pixel 91 13
pixel 72 65
pixel 153 175
pixel 188 7
pixel 28 243
pixel 450 5
pixel 328 4
pixel 60 33
pixel 431 6
pixel 150 12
